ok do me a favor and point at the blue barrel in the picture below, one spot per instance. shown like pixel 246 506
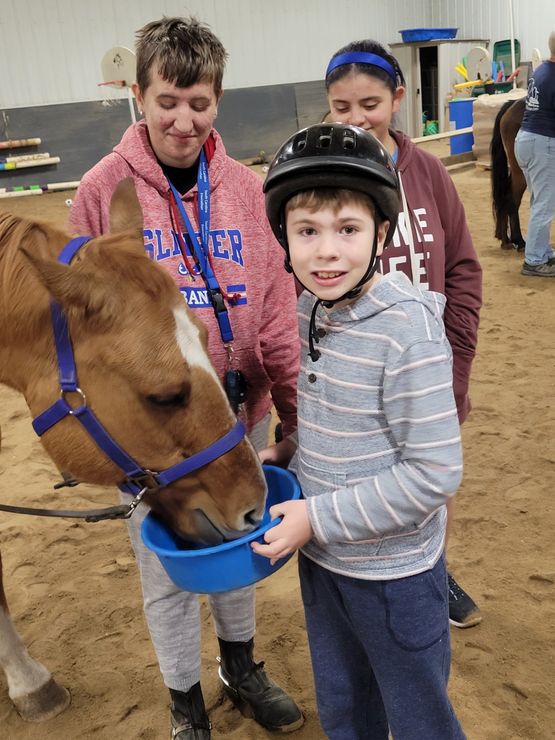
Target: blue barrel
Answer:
pixel 461 116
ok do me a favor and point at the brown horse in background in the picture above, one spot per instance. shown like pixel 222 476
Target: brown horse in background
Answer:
pixel 507 179
pixel 142 366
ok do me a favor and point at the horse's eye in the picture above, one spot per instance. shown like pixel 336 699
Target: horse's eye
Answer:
pixel 175 399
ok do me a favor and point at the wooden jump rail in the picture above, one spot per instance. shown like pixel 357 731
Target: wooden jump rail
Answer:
pixel 24 157
pixel 20 190
pixel 21 164
pixel 442 135
pixel 17 143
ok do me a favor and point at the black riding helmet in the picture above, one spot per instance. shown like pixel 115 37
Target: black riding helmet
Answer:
pixel 332 155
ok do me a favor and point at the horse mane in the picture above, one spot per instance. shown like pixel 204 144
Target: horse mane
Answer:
pixel 16 231
pixel 39 237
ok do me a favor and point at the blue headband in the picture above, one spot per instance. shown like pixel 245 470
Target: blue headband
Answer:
pixel 361 57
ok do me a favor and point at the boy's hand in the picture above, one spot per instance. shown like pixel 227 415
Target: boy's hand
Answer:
pixel 279 454
pixel 287 536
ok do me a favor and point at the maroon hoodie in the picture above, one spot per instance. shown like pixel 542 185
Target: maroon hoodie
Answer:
pixel 433 247
pixel 247 261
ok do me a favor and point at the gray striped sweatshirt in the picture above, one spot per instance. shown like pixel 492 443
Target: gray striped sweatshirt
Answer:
pixel 379 450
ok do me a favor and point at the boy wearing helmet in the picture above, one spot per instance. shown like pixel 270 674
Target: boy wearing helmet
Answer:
pixel 378 451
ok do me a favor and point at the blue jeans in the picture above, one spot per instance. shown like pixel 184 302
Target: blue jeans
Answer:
pixel 536 157
pixel 380 654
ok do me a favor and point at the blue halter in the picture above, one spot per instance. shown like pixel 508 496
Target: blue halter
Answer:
pixel 138 480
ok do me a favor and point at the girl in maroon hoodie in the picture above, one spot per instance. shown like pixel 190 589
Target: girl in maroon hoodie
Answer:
pixel 432 244
pixel 179 164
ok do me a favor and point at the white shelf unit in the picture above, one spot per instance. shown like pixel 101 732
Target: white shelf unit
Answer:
pixel 429 70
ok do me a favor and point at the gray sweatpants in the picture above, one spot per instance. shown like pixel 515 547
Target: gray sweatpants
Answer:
pixel 173 615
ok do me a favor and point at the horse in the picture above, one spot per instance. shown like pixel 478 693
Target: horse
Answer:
pixel 144 369
pixel 507 179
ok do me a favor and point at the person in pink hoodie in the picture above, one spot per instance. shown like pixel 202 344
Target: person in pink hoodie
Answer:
pixel 432 244
pixel 205 222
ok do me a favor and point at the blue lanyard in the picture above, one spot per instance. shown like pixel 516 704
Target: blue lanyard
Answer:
pixel 200 246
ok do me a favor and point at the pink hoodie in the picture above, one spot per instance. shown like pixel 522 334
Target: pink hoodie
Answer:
pixel 245 256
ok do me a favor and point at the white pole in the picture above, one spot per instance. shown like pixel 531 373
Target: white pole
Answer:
pixel 131 105
pixel 442 135
pixel 63 185
pixel 13 144
pixel 17 193
pixel 23 157
pixel 513 57
pixel 20 164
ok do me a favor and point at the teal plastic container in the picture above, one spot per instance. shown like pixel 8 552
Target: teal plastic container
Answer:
pixel 461 115
pixel 225 567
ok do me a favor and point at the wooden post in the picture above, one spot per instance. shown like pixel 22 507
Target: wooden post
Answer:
pixel 16 143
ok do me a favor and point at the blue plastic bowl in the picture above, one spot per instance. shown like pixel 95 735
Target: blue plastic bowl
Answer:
pixel 427 34
pixel 231 565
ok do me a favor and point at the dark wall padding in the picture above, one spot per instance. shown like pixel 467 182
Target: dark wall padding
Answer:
pixel 79 133
pixel 250 120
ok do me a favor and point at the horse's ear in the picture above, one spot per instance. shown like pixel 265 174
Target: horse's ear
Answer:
pixel 76 290
pixel 125 209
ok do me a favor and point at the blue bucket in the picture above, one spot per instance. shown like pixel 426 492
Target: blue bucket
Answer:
pixel 225 567
pixel 461 115
pixel 411 35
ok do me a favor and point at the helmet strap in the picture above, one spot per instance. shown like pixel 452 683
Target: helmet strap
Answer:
pixel 372 267
pixel 312 334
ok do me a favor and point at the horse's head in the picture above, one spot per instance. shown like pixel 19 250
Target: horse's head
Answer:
pixel 143 366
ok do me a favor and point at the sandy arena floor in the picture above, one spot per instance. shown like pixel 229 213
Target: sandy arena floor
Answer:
pixel 74 590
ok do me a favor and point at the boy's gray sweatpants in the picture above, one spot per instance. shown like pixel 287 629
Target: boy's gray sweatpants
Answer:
pixel 173 615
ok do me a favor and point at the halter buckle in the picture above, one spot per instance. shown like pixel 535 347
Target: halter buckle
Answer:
pixel 147 481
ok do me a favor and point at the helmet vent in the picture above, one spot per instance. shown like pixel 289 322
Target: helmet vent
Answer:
pixel 349 140
pixel 331 155
pixel 324 139
pixel 299 143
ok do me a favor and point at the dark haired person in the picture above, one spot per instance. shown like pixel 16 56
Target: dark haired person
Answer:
pixel 432 244
pixel 379 448
pixel 179 165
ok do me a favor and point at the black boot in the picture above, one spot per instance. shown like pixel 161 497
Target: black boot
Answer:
pixel 250 689
pixel 189 720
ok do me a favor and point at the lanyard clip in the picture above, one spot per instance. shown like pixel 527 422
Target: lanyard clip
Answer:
pixel 229 349
pixel 220 311
pixel 217 300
